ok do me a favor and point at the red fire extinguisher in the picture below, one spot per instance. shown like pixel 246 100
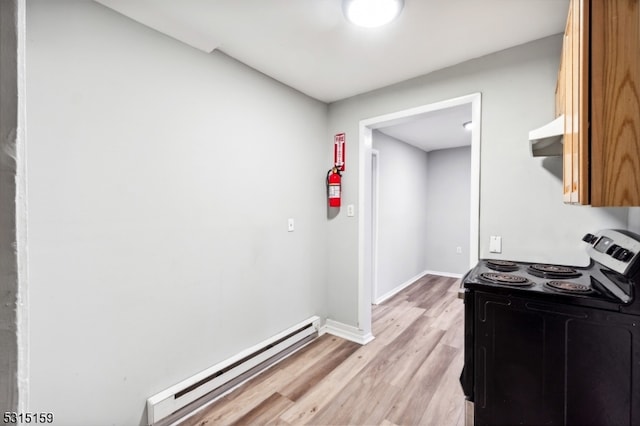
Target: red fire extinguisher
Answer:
pixel 334 179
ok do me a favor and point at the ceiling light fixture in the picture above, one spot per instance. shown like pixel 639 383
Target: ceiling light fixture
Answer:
pixel 371 13
pixel 468 125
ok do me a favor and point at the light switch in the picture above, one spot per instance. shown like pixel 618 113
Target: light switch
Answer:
pixel 350 210
pixel 290 225
pixel 495 244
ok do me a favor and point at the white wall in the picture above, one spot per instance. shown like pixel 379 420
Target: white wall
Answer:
pixel 160 180
pixel 520 197
pixel 634 220
pixel 402 209
pixel 448 226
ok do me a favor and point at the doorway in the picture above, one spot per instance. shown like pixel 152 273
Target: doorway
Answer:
pixel 368 162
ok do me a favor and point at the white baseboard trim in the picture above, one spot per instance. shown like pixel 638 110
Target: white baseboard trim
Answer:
pixel 346 331
pixel 445 274
pixel 399 288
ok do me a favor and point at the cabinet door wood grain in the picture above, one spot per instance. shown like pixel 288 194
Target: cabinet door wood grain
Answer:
pixel 575 68
pixel 581 98
pixel 575 101
pixel 567 148
pixel 615 103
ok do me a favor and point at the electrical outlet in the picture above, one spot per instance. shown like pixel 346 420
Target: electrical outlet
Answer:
pixel 291 225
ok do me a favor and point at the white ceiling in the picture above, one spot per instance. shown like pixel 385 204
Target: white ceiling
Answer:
pixel 433 130
pixel 308 45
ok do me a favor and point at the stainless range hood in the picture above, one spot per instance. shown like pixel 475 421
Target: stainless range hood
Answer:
pixel 546 141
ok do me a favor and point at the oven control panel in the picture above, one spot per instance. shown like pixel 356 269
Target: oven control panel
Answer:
pixel 616 249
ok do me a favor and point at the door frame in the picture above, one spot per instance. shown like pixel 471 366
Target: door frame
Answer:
pixel 366 251
pixel 373 203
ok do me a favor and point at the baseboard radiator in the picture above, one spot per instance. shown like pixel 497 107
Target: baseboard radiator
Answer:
pixel 172 404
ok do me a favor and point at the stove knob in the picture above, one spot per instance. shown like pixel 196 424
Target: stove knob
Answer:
pixel 623 255
pixel 611 250
pixel 589 238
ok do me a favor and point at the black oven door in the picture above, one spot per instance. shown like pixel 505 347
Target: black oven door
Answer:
pixel 545 363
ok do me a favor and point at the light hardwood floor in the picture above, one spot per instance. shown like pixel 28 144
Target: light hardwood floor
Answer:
pixel 408 375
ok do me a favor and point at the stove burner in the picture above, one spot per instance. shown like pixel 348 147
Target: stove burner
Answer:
pixel 502 265
pixel 506 279
pixel 568 287
pixel 552 271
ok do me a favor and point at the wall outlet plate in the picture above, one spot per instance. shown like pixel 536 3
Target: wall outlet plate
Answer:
pixel 495 244
pixel 290 225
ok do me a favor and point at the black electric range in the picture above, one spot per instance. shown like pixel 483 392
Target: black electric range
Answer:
pixel 554 344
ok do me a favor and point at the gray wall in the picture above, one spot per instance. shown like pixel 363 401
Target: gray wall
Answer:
pixel 447 217
pixel 8 240
pixel 402 206
pixel 520 197
pixel 160 180
pixel 423 211
pixel 634 219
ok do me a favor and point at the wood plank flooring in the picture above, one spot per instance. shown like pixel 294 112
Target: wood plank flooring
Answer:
pixel 408 375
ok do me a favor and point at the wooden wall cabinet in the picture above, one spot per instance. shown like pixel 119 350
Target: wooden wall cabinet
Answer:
pixel 598 91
